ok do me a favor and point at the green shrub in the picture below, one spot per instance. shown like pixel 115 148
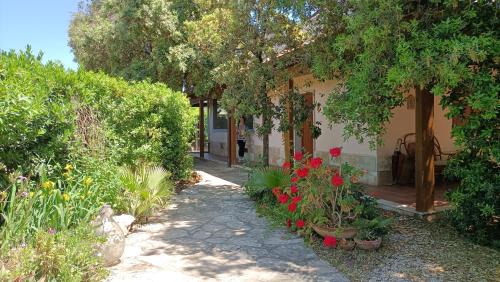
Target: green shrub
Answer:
pixel 36 116
pixel 476 201
pixel 64 256
pixel 147 189
pixel 145 122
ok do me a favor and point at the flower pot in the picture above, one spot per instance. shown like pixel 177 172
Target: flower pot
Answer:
pixel 368 245
pixel 347 245
pixel 343 233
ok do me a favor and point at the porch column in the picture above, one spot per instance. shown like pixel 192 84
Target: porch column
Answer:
pixel 231 140
pixel 289 134
pixel 424 152
pixel 202 128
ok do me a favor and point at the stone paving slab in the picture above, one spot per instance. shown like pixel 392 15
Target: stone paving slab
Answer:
pixel 211 232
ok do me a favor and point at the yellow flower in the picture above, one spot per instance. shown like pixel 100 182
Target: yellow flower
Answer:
pixel 66 174
pixel 32 194
pixel 66 197
pixel 48 185
pixel 68 167
pixel 87 181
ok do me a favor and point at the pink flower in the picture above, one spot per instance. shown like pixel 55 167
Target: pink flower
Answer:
pixel 330 242
pixel 337 180
pixel 299 223
pixel 294 189
pixel 298 156
pixel 302 172
pixel 295 179
pixel 335 151
pixel 286 165
pixel 283 198
pixel 296 199
pixel 316 162
pixel 292 207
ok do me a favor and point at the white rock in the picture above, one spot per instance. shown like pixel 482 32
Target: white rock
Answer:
pixel 124 220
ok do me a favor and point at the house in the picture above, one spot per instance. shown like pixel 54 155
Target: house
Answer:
pixel 377 162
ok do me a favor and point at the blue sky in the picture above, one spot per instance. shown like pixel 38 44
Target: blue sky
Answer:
pixel 43 24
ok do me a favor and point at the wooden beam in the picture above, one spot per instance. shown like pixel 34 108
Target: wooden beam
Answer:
pixel 202 128
pixel 424 151
pixel 288 136
pixel 231 140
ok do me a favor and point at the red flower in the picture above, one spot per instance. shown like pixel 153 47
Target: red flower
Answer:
pixel 299 223
pixel 288 223
pixel 335 151
pixel 295 179
pixel 296 199
pixel 330 242
pixel 302 172
pixel 316 162
pixel 298 156
pixel 283 198
pixel 337 180
pixel 294 189
pixel 292 207
pixel 286 165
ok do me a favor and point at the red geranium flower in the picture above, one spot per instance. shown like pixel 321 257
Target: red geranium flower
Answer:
pixel 302 172
pixel 335 151
pixel 330 242
pixel 300 223
pixel 283 198
pixel 295 179
pixel 296 199
pixel 286 165
pixel 292 207
pixel 316 162
pixel 288 223
pixel 337 180
pixel 298 156
pixel 294 189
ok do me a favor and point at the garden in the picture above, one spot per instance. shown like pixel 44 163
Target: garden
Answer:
pixel 72 142
pixel 328 206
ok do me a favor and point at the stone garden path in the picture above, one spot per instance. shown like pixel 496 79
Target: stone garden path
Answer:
pixel 211 232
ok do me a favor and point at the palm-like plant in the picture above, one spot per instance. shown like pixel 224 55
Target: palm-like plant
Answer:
pixel 262 180
pixel 147 188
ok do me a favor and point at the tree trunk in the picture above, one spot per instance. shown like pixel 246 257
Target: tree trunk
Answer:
pixel 266 120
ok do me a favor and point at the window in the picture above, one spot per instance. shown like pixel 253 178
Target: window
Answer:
pixel 220 117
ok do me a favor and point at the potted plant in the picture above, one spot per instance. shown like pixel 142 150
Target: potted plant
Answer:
pixel 370 232
pixel 329 201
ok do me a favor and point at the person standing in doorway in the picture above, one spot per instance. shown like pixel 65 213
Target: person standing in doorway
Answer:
pixel 241 138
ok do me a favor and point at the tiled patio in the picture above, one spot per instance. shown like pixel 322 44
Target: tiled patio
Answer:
pixel 405 195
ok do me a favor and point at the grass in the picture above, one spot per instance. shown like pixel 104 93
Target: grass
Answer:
pixel 415 250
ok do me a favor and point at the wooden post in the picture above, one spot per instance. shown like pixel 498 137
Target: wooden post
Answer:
pixel 231 140
pixel 289 134
pixel 202 128
pixel 424 152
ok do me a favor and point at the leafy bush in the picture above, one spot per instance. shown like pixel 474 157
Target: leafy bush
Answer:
pixel 63 256
pixel 476 201
pixel 147 189
pixel 145 122
pixel 36 116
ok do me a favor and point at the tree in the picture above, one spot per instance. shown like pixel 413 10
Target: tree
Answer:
pixel 133 39
pixel 248 50
pixel 451 48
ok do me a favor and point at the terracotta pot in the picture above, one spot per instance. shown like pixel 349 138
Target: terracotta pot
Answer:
pixel 343 233
pixel 368 245
pixel 347 245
